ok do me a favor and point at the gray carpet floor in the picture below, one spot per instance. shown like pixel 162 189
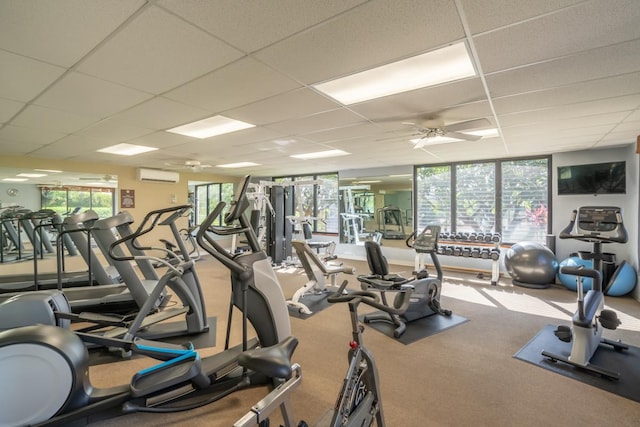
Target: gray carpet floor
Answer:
pixel 464 376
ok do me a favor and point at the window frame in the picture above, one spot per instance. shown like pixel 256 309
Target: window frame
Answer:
pixel 497 192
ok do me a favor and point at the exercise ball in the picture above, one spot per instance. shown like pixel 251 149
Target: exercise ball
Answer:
pixel 622 282
pixel 569 280
pixel 531 264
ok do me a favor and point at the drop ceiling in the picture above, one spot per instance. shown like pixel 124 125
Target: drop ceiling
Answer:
pixel 77 76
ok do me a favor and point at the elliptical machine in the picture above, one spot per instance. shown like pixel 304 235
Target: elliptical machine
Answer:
pixel 47 366
pixel 596 225
pixel 425 299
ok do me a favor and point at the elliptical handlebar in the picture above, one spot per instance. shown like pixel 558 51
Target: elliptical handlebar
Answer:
pixel 149 222
pixel 371 299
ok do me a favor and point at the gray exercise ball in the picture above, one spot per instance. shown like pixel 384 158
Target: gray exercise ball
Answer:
pixel 531 264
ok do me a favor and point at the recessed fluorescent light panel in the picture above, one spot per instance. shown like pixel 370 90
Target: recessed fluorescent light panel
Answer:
pixel 126 149
pixel 237 165
pixel 48 170
pixel 320 154
pixel 32 175
pixel 431 68
pixel 206 128
pixel 14 179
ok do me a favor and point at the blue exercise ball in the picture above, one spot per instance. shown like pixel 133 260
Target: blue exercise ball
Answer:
pixel 569 280
pixel 623 280
pixel 531 264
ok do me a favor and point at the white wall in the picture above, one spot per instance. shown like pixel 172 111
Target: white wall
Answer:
pixel 28 196
pixel 564 205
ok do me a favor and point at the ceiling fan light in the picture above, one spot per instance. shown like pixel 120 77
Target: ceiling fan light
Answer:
pixel 439 66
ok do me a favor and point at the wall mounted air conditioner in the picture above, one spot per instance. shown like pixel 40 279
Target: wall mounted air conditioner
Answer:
pixel 157 175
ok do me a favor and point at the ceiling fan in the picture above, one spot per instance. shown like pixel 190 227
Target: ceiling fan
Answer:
pixel 427 130
pixel 192 165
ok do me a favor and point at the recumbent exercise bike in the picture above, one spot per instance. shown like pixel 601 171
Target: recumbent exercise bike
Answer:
pixel 425 299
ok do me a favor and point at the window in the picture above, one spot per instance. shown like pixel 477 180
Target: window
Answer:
pixel 207 197
pixel 65 200
pixel 525 200
pixel 510 197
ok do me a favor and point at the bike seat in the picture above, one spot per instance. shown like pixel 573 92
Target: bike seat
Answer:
pixel 273 361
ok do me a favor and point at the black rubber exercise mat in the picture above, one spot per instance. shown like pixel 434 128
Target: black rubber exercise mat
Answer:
pixel 420 328
pixel 626 362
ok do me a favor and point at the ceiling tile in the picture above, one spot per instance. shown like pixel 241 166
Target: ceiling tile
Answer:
pixel 160 139
pixel 8 109
pixel 608 61
pixel 252 25
pixel 114 131
pixel 579 92
pixel 286 106
pixel 154 41
pixel 484 15
pixel 60 32
pixel 161 113
pixel 591 108
pixel 10 148
pixel 26 135
pixel 50 119
pixel 22 79
pixel 237 84
pixel 587 26
pixel 321 121
pixel 525 128
pixel 363 37
pixel 82 94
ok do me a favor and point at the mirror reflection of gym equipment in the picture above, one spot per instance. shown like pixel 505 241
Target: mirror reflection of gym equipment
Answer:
pixel 376 207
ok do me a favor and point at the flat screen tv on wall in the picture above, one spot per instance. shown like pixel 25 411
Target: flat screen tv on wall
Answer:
pixel 595 178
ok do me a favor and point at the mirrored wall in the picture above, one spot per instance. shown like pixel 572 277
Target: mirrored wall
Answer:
pixel 376 204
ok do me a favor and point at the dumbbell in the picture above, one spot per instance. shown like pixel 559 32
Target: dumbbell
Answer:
pixel 485 253
pixel 448 250
pixel 472 237
pixel 494 254
pixel 475 252
pixel 466 252
pixel 496 237
pixel 457 251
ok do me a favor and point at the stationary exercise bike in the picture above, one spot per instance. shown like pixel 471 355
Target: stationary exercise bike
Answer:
pixel 425 300
pixel 359 403
pixel 47 366
pixel 597 225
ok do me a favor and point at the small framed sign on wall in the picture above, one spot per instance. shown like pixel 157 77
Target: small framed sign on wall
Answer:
pixel 127 199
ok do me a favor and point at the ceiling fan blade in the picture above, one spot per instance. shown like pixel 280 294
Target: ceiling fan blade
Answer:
pixel 469 124
pixel 463 136
pixel 421 143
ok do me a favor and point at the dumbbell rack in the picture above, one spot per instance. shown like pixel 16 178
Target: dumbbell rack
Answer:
pixel 473 245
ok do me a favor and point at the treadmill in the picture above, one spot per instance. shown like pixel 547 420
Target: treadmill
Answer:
pixel 72 235
pixel 120 297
